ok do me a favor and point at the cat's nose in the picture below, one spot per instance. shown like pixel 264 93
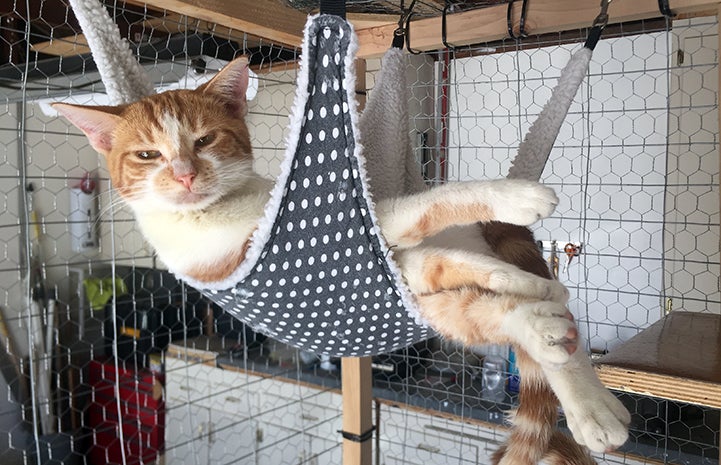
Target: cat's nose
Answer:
pixel 186 179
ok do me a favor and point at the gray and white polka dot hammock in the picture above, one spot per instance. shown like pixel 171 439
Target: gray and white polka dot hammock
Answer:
pixel 317 274
pixel 322 281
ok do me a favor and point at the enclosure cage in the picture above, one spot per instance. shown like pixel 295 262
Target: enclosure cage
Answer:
pixel 107 358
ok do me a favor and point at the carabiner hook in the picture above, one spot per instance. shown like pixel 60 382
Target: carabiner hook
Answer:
pixel 602 18
pixel 597 27
pixel 522 22
pixel 408 34
pixel 402 34
pixel 444 27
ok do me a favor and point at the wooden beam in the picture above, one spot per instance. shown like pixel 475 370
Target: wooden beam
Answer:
pixel 267 19
pixel 368 20
pixel 63 46
pixel 543 16
pixel 77 44
pixel 176 23
pixel 356 377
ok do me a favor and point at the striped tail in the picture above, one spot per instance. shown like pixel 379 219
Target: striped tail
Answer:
pixel 534 436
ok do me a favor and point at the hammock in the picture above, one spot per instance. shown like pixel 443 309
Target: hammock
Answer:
pixel 317 274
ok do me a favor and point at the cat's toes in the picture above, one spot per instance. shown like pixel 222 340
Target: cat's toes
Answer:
pixel 525 202
pixel 547 289
pixel 600 423
pixel 557 292
pixel 545 329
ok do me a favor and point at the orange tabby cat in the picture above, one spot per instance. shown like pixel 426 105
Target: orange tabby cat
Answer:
pixel 183 161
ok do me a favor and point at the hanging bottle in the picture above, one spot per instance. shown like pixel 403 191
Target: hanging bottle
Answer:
pixel 494 374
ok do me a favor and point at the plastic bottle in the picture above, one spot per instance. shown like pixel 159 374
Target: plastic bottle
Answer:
pixel 514 380
pixel 494 375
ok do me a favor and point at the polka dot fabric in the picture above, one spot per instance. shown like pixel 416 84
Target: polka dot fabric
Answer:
pixel 322 283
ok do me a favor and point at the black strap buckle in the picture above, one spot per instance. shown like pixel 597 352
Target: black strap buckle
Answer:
pixel 598 24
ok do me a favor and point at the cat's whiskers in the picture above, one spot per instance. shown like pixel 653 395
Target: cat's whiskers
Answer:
pixel 230 173
pixel 116 201
pixel 110 208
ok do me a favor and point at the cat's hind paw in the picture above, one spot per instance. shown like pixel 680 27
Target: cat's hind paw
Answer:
pixel 557 292
pixel 528 285
pixel 523 202
pixel 601 422
pixel 545 330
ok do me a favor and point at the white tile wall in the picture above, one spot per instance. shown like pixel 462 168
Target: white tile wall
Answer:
pixel 646 211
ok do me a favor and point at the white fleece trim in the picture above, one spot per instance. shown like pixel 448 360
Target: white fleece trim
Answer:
pixel 536 146
pixel 124 79
pixel 260 237
pixel 262 234
pixel 407 297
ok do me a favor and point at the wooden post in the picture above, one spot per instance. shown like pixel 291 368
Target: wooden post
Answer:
pixel 356 375
pixel 357 409
pixel 718 110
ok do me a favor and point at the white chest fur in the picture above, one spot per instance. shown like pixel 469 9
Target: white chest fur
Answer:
pixel 188 240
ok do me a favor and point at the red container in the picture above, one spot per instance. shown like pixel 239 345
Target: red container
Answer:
pixel 127 412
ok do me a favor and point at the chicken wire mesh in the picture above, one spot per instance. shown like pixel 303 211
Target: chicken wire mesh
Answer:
pixel 134 367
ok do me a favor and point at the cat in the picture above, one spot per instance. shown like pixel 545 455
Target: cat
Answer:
pixel 183 162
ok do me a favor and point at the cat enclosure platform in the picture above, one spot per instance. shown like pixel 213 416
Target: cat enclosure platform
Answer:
pixel 677 358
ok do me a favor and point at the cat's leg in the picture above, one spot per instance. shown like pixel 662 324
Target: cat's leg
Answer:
pixel 405 221
pixel 596 417
pixel 543 330
pixel 431 269
pixel 534 436
pixel 473 316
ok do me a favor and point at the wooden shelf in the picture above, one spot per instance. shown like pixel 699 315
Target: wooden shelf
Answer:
pixel 676 358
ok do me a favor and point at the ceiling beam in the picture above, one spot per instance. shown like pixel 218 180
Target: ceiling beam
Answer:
pixel 262 18
pixel 78 44
pixel 543 16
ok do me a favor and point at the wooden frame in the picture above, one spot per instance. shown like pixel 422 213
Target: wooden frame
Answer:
pixel 275 22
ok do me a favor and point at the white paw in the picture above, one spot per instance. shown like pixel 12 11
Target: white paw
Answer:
pixel 598 420
pixel 528 285
pixel 545 330
pixel 557 292
pixel 522 202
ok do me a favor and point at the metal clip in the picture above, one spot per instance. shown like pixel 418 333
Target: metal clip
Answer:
pixel 602 18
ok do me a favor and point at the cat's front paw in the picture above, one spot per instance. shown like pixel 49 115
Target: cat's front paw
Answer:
pixel 545 330
pixel 523 202
pixel 598 420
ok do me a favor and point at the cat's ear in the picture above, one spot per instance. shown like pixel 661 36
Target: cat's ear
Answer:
pixel 97 122
pixel 231 84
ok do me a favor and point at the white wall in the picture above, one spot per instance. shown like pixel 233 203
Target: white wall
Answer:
pixel 622 196
pixel 692 200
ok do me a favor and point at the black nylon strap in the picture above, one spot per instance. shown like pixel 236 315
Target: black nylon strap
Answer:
pixel 333 7
pixel 593 37
pixel 358 437
pixel 399 38
pixel 664 8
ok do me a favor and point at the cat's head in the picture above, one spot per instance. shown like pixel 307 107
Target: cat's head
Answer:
pixel 176 151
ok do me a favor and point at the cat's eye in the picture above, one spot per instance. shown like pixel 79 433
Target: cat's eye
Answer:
pixel 205 140
pixel 149 154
